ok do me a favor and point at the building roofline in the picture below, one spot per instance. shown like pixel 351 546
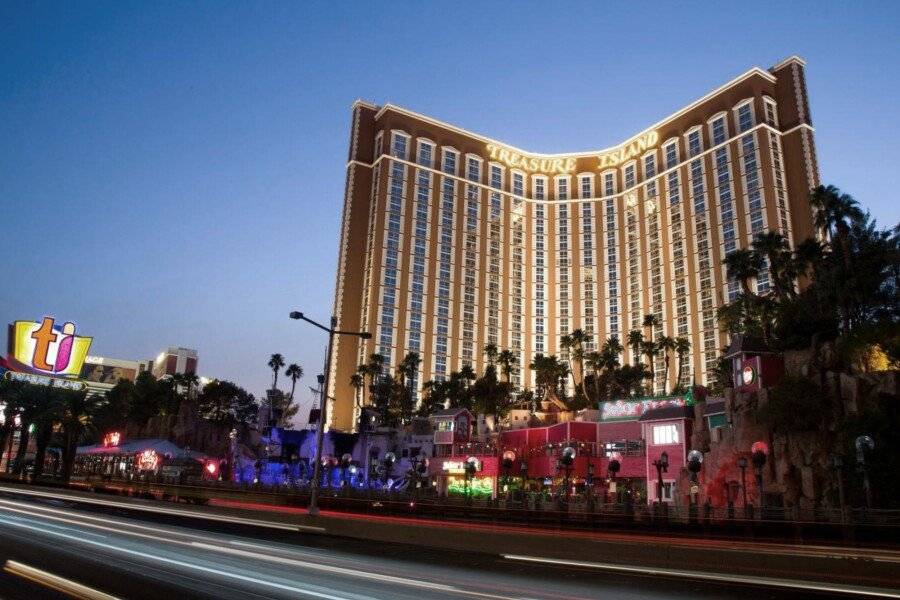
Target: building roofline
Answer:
pixel 755 71
pixel 790 59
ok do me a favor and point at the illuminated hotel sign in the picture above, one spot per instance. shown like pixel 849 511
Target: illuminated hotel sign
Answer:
pixel 627 151
pixel 631 410
pixel 536 164
pixel 43 353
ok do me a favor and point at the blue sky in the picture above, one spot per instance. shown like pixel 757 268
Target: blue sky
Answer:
pixel 172 174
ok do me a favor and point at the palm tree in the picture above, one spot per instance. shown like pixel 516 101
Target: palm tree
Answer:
pixel 651 322
pixel 358 382
pixel 743 265
pixel 651 351
pixel 774 247
pixel 682 348
pixel 666 344
pixel 507 360
pixel 467 373
pixel 635 342
pixel 595 361
pixel 276 361
pixel 835 215
pixel 190 381
pixel 295 372
pixel 490 351
pixel 578 338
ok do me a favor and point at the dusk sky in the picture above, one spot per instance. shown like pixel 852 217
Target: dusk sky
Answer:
pixel 172 174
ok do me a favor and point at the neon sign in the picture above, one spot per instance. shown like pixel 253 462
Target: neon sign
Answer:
pixel 112 439
pixel 516 160
pixel 43 348
pixel 147 460
pixel 626 410
pixel 459 466
pixel 629 150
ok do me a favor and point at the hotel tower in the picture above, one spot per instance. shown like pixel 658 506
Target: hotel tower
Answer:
pixel 451 240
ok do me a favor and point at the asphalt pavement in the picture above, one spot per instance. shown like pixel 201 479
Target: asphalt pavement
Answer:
pixel 52 548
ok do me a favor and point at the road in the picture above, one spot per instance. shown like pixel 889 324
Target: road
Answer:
pixel 52 548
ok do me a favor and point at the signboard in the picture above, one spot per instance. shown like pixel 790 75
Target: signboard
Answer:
pixel 66 384
pixel 43 348
pixel 631 410
pixel 746 374
pixel 459 466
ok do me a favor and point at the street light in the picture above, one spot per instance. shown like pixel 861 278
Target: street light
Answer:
pixel 566 459
pixel 759 452
pixel 865 443
pixel 613 469
pixel 320 430
pixel 662 466
pixel 509 459
pixel 695 463
pixel 742 465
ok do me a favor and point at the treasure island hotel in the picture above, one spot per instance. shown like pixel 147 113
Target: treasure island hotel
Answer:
pixel 451 240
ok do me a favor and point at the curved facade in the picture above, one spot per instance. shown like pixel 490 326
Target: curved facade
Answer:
pixel 451 240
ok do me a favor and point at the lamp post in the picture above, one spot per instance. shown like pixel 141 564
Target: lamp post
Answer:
pixel 865 443
pixel 613 469
pixel 320 430
pixel 389 459
pixel 523 473
pixel 565 460
pixel 470 468
pixel 590 485
pixel 695 463
pixel 662 466
pixel 759 453
pixel 742 465
pixel 509 459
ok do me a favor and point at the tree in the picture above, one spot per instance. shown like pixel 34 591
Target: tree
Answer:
pixel 772 248
pixel 78 411
pixel 666 345
pixel 651 351
pixel 651 322
pixel 490 351
pixel 357 381
pixel 276 361
pixel 227 405
pixel 372 370
pixel 742 265
pixel 576 341
pixel 491 397
pixel 507 360
pixel 289 406
pixel 682 349
pixel 636 343
pixel 405 395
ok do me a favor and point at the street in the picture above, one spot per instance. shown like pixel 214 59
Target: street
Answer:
pixel 52 546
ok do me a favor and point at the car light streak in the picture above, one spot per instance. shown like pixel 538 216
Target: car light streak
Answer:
pixel 796 584
pixel 161 510
pixel 352 572
pixel 195 567
pixel 55 582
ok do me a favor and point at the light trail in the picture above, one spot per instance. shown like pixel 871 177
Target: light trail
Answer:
pixel 162 510
pixel 214 545
pixel 793 584
pixel 192 566
pixel 55 582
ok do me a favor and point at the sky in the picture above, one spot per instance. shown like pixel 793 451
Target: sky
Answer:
pixel 172 173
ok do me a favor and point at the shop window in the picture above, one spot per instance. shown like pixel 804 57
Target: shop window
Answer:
pixel 665 434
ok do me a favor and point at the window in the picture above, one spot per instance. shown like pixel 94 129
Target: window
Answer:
pixel 665 434
pixel 668 490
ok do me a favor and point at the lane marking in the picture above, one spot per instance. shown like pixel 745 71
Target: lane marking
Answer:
pixel 55 582
pixel 195 567
pixel 162 510
pixel 798 584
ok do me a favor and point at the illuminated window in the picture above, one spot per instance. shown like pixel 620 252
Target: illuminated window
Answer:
pixel 665 434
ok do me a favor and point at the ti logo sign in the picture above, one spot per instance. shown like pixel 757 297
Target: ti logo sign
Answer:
pixel 45 348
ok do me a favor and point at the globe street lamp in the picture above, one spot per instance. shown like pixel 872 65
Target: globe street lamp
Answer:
pixel 864 444
pixel 508 460
pixel 695 463
pixel 320 430
pixel 566 459
pixel 388 462
pixel 612 470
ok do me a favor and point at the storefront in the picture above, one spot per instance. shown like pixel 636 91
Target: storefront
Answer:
pixel 466 476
